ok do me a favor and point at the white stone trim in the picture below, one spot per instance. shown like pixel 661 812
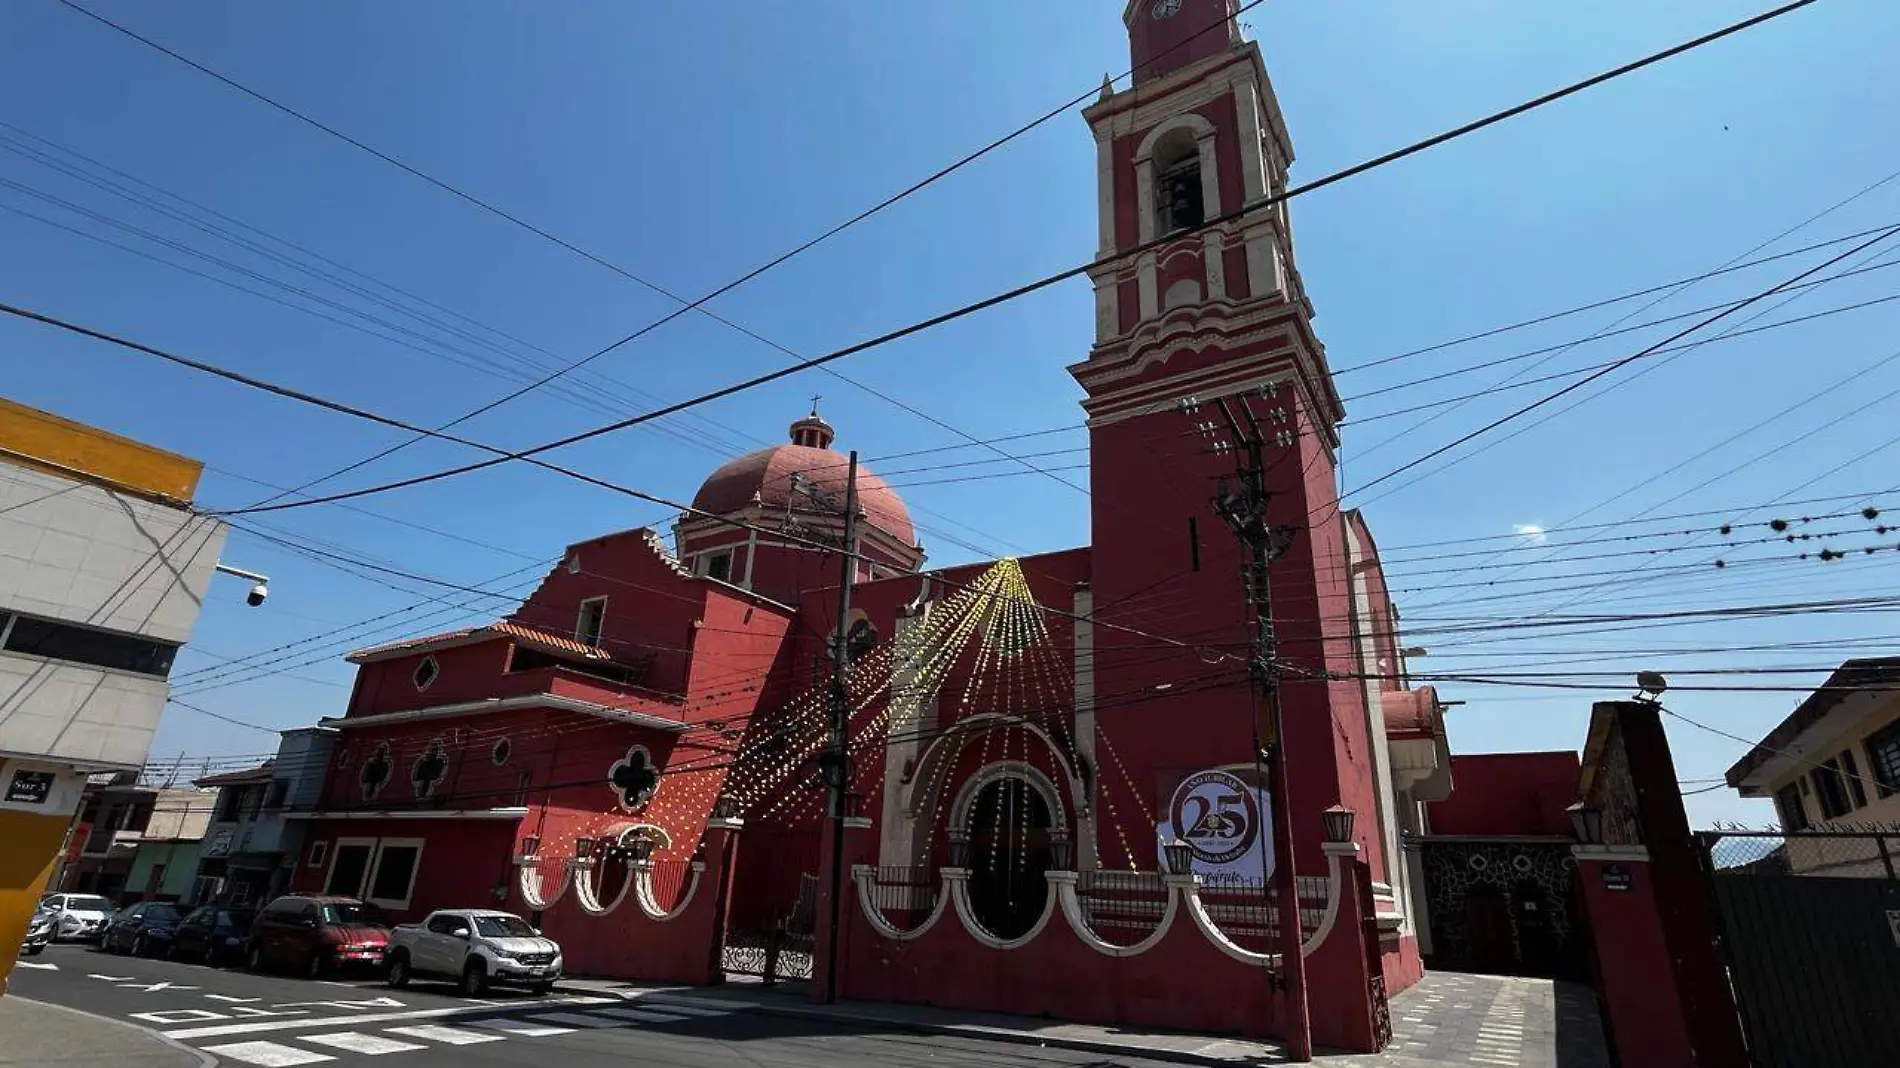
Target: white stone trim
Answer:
pixel 529 883
pixel 913 804
pixel 1335 890
pixel 1620 854
pixel 998 770
pixel 588 897
pixel 864 878
pixel 643 892
pixel 1062 884
pixel 957 887
pixel 1197 911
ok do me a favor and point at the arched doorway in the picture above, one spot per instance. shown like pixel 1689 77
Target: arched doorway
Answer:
pixel 1008 827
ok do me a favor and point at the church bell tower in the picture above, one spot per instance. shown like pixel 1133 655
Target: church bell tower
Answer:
pixel 1191 310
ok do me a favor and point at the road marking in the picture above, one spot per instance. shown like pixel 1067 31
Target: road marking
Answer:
pixel 220 1030
pixel 638 1016
pixel 522 1029
pixel 153 988
pixel 589 999
pixel 268 1054
pixel 448 1036
pixel 110 978
pixel 178 1016
pixel 233 1000
pixel 42 967
pixel 575 1019
pixel 357 1042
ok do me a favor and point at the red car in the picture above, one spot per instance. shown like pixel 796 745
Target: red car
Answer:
pixel 313 935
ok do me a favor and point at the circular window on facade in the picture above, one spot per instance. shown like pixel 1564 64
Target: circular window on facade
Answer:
pixel 501 752
pixel 426 672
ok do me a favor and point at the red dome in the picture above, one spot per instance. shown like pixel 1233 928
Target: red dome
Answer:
pixel 767 475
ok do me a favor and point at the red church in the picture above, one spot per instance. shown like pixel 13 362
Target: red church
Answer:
pixel 1055 800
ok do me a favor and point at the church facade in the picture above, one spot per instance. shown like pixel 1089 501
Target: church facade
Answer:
pixel 1056 796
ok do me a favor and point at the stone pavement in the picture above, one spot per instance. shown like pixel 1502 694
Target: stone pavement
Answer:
pixel 44 1036
pixel 1484 1021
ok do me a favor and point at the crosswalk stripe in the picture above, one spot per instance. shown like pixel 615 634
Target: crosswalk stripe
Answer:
pixel 522 1029
pixel 588 999
pixel 448 1036
pixel 267 1054
pixel 638 1015
pixel 358 1042
pixel 574 1019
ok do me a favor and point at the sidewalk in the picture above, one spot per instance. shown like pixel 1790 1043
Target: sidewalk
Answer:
pixel 37 1033
pixel 1447 1019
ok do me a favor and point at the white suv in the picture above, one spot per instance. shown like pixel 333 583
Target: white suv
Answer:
pixel 475 947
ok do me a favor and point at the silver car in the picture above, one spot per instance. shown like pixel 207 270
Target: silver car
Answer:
pixel 78 917
pixel 39 933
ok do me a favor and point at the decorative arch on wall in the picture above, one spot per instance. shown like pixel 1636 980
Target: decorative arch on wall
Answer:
pixel 918 793
pixel 1007 769
pixel 1202 131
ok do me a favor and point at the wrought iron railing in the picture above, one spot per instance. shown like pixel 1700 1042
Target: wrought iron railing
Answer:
pixel 1128 903
pixel 898 891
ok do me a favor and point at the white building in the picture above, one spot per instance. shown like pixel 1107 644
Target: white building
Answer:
pixel 103 570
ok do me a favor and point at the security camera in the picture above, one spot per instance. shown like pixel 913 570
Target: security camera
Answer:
pixel 257 595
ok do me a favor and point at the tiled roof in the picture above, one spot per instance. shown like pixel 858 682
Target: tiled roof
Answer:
pixel 541 639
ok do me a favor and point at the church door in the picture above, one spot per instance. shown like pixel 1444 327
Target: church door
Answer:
pixel 1009 852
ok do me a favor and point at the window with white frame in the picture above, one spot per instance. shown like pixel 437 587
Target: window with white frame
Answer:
pixel 393 877
pixel 349 866
pixel 319 852
pixel 717 565
pixel 593 617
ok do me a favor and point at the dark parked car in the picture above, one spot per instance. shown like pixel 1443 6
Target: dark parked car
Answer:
pixel 312 935
pixel 143 930
pixel 211 935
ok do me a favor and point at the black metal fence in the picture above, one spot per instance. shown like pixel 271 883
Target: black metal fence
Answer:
pixel 1810 923
pixel 1122 906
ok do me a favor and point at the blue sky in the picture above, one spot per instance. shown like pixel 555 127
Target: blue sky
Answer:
pixel 687 142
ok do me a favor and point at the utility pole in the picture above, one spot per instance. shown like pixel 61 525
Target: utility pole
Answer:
pixel 837 759
pixel 1245 511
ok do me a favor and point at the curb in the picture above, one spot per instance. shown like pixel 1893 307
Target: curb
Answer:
pixel 205 1060
pixel 1004 1034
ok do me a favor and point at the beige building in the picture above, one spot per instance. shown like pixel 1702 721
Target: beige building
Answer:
pixel 1834 764
pixel 103 569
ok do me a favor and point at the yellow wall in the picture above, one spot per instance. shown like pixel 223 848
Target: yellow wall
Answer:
pixel 28 434
pixel 29 846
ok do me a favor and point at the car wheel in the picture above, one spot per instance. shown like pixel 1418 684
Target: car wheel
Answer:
pixel 398 971
pixel 541 990
pixel 139 946
pixel 34 951
pixel 314 970
pixel 474 980
pixel 255 961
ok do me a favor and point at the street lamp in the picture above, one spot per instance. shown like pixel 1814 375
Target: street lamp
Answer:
pixel 1179 856
pixel 1061 851
pixel 583 847
pixel 1587 821
pixel 1336 824
pixel 959 856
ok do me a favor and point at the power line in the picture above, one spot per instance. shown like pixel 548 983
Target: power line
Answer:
pixel 1061 276
pixel 1625 361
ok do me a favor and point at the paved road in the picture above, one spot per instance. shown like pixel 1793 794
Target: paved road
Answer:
pixel 273 1021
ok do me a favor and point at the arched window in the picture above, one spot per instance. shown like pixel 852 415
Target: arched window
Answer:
pixel 1177 187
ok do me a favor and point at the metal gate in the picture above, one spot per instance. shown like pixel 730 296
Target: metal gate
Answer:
pixel 1811 935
